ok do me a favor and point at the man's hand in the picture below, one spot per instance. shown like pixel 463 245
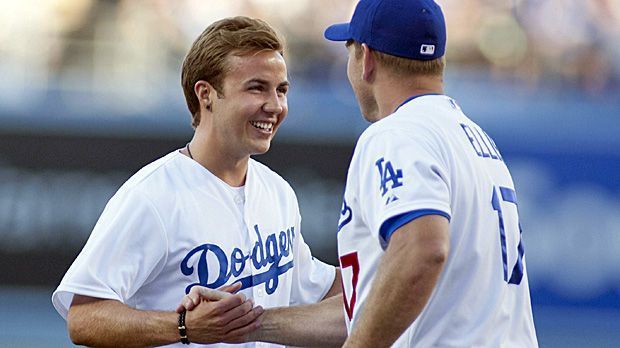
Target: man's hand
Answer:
pixel 219 316
pixel 199 293
pixel 291 326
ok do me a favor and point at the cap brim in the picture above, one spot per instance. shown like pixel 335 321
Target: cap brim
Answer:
pixel 338 32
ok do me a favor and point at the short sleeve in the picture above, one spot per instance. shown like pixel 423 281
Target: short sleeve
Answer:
pixel 402 176
pixel 312 278
pixel 126 246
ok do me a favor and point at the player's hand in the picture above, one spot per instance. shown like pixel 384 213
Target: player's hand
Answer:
pixel 229 319
pixel 200 293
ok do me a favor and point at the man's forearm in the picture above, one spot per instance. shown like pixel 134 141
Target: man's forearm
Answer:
pixel 316 325
pixel 109 323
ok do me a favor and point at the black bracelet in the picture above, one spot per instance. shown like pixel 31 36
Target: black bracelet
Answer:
pixel 182 329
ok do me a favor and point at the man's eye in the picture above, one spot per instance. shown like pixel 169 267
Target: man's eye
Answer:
pixel 282 90
pixel 256 88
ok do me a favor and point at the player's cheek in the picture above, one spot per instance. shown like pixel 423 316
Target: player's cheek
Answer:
pixel 284 113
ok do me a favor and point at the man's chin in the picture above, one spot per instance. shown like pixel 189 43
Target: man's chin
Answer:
pixel 261 149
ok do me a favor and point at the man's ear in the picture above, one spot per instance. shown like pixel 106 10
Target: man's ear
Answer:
pixel 205 93
pixel 368 63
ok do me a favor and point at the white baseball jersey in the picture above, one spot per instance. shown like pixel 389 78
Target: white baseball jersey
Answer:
pixel 174 225
pixel 429 158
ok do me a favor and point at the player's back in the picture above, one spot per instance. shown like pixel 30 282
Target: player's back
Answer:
pixel 482 297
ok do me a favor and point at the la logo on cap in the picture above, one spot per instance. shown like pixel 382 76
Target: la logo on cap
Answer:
pixel 428 50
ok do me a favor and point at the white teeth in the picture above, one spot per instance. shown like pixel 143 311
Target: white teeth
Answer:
pixel 262 125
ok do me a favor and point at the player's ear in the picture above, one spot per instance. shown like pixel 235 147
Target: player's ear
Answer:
pixel 368 63
pixel 205 93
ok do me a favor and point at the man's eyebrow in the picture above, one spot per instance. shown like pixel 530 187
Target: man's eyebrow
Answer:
pixel 257 80
pixel 265 82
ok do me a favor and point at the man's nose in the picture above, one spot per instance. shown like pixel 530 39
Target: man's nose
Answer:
pixel 275 104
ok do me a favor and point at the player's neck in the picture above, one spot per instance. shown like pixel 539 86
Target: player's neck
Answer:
pixel 391 93
pixel 230 169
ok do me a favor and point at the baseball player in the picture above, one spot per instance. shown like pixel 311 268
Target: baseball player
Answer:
pixel 429 239
pixel 206 215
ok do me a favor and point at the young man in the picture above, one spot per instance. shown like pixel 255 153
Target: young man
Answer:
pixel 429 239
pixel 204 215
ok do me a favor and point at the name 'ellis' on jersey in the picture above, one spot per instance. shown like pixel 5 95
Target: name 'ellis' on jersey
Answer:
pixel 429 158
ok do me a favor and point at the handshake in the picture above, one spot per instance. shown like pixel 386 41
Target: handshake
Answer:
pixel 213 316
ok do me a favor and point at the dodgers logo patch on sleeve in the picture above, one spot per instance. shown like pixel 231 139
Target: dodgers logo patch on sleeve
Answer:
pixel 388 175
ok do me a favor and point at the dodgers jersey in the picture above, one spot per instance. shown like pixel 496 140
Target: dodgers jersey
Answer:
pixel 429 158
pixel 174 225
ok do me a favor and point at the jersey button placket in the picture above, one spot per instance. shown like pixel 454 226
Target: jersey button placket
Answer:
pixel 257 292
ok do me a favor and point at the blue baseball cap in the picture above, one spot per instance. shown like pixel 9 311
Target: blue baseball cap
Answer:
pixel 413 29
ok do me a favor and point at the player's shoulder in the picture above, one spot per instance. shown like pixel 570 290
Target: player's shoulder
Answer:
pixel 267 176
pixel 143 189
pixel 154 182
pixel 421 126
pixel 152 172
pixel 421 117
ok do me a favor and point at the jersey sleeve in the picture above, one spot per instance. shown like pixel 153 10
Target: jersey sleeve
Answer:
pixel 126 246
pixel 312 278
pixel 402 176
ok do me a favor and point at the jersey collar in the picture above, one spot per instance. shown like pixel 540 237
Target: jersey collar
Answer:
pixel 412 98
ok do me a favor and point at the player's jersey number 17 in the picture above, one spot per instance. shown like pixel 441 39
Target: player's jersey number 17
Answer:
pixel 508 195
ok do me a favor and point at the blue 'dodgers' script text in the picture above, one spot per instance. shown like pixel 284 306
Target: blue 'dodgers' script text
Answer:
pixel 264 255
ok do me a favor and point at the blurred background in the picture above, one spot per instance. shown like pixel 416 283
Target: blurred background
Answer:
pixel 90 92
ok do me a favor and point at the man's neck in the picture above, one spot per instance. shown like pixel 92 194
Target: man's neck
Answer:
pixel 228 168
pixel 390 93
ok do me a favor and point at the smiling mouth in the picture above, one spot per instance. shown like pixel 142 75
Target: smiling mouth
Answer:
pixel 263 126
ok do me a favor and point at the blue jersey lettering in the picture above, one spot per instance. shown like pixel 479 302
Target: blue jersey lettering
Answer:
pixel 482 143
pixel 387 174
pixel 265 255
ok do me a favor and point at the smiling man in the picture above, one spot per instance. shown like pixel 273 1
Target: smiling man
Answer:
pixel 206 215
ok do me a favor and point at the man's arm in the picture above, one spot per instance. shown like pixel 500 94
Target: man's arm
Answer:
pixel 404 281
pixel 110 323
pixel 315 325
